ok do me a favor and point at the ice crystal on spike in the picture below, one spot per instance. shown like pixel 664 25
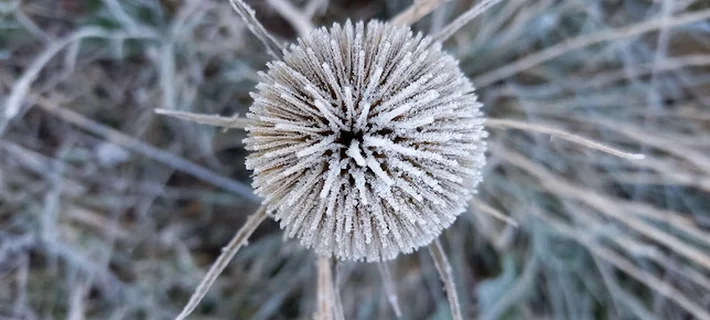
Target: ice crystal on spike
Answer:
pixel 367 140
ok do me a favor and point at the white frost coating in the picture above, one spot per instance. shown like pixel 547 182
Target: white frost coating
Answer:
pixel 354 152
pixel 320 146
pixel 375 167
pixel 367 141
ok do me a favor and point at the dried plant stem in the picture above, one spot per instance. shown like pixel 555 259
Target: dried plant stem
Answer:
pixel 418 10
pixel 464 19
pixel 300 21
pixel 273 46
pixel 338 280
pixel 507 123
pixel 171 160
pixel 228 252
pixel 326 293
pixel 441 262
pixel 582 41
pixel 233 122
pixel 390 288
pixel 485 208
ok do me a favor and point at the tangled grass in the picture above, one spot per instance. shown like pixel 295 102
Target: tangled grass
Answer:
pixel 109 212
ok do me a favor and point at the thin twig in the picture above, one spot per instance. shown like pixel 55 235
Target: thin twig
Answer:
pixel 582 41
pixel 228 252
pixel 464 19
pixel 390 288
pixel 166 158
pixel 273 46
pixel 233 122
pixel 441 262
pixel 419 9
pixel 536 127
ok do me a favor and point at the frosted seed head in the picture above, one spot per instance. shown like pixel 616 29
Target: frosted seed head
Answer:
pixel 360 156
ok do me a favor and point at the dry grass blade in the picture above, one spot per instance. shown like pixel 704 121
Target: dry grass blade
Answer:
pixel 635 247
pixel 667 64
pixel 228 252
pixel 507 123
pixel 156 154
pixel 390 288
pixel 612 208
pixel 697 157
pixel 653 282
pixel 273 46
pixel 418 10
pixel 464 19
pixel 628 267
pixel 485 208
pixel 441 262
pixel 584 41
pixel 668 171
pixel 22 86
pixel 234 122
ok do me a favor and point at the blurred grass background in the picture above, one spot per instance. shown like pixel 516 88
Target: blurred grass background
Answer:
pixel 108 211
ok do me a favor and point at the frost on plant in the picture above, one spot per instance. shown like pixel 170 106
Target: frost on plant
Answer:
pixel 367 140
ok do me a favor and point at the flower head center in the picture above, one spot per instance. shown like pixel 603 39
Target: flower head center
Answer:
pixel 348 137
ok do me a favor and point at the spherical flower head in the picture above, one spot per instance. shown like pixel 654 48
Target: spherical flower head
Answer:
pixel 367 141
